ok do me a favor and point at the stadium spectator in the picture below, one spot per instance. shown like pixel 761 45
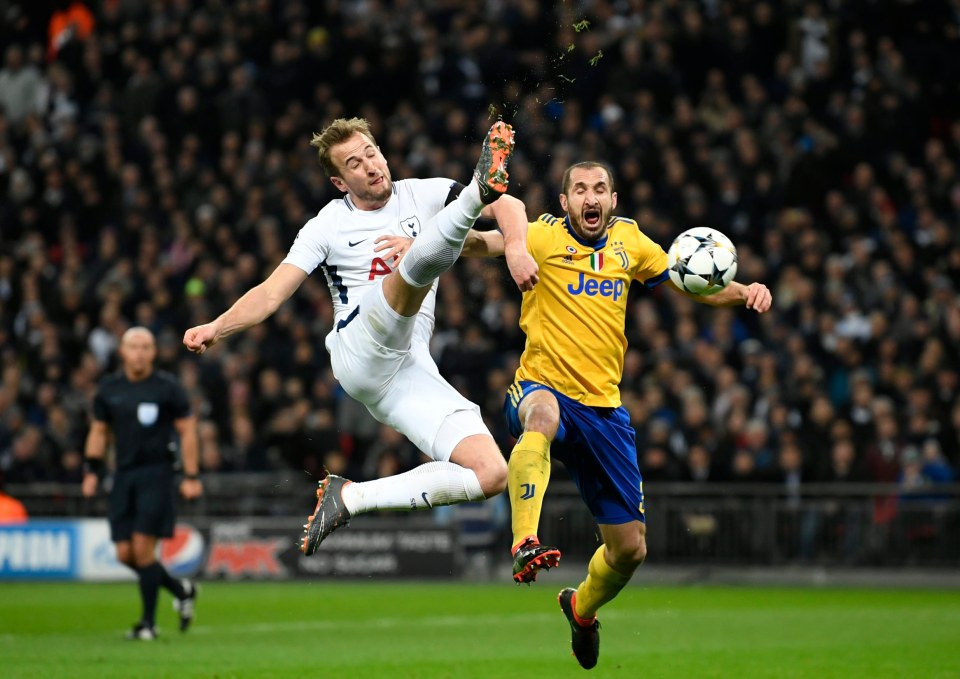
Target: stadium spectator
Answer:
pixel 20 85
pixel 821 137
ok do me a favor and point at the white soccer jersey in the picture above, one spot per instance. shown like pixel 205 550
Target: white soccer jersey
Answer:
pixel 340 240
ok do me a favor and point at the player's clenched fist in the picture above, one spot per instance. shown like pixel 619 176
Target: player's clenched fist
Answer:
pixel 200 338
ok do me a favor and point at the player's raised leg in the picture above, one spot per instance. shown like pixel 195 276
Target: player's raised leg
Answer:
pixel 439 245
pixel 527 479
pixel 389 313
pixel 610 568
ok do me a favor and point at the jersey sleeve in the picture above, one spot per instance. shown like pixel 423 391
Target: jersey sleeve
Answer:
pixel 540 237
pixel 455 189
pixel 101 413
pixel 651 262
pixel 310 247
pixel 180 402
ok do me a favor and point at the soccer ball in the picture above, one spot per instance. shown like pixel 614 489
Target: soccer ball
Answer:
pixel 702 261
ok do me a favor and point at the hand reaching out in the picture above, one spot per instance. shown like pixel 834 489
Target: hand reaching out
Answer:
pixel 758 297
pixel 393 248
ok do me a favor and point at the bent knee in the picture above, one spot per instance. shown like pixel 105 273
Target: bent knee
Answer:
pixel 627 557
pixel 481 455
pixel 492 475
pixel 640 553
pixel 491 471
pixel 543 418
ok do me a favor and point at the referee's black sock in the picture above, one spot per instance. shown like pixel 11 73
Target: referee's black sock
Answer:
pixel 170 583
pixel 150 578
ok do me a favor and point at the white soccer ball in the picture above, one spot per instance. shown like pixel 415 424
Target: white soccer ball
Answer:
pixel 702 261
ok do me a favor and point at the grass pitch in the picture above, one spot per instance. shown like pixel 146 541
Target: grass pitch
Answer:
pixel 470 631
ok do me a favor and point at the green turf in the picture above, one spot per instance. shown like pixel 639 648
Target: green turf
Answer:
pixel 468 631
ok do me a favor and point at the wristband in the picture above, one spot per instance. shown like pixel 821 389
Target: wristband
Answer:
pixel 93 465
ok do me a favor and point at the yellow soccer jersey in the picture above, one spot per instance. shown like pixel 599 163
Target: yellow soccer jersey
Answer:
pixel 574 317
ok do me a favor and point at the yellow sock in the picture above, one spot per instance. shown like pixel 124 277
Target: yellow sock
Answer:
pixel 528 474
pixel 602 584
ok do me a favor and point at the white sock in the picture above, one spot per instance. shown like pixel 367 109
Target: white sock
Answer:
pixel 430 485
pixel 469 199
pixel 439 244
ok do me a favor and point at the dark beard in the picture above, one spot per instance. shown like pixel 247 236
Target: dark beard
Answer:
pixel 578 229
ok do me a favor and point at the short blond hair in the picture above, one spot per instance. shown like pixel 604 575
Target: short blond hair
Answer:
pixel 337 132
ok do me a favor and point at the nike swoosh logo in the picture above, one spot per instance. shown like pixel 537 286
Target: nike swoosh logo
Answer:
pixel 357 243
pixel 426 501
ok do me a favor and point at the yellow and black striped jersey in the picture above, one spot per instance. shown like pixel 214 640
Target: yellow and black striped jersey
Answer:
pixel 574 317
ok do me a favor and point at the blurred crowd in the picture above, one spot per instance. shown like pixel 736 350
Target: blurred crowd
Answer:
pixel 155 164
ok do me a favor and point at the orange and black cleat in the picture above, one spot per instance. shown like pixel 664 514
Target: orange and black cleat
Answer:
pixel 328 515
pixel 585 634
pixel 491 173
pixel 530 557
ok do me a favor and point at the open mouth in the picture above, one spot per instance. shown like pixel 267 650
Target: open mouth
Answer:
pixel 377 182
pixel 591 217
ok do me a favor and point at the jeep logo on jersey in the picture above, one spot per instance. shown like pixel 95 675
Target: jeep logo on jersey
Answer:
pixel 147 414
pixel 410 226
pixel 591 287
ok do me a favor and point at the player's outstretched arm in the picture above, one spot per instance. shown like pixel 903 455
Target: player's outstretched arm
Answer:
pixel 483 244
pixel 511 216
pixel 257 304
pixel 477 244
pixel 755 296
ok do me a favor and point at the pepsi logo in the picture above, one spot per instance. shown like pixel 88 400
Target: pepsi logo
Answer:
pixel 182 554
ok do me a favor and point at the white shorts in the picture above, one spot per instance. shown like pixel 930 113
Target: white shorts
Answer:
pixel 402 389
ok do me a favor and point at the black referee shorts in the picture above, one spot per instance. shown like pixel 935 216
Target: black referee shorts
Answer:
pixel 143 500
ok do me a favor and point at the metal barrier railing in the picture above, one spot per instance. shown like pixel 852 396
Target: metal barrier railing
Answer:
pixel 718 524
pixel 768 524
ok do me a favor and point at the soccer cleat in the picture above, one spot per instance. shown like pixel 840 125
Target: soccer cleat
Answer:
pixel 491 173
pixel 142 632
pixel 328 515
pixel 585 639
pixel 185 606
pixel 530 557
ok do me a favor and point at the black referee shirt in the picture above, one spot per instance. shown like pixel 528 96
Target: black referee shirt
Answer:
pixel 141 415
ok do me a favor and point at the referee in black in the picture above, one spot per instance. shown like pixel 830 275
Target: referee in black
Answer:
pixel 146 411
